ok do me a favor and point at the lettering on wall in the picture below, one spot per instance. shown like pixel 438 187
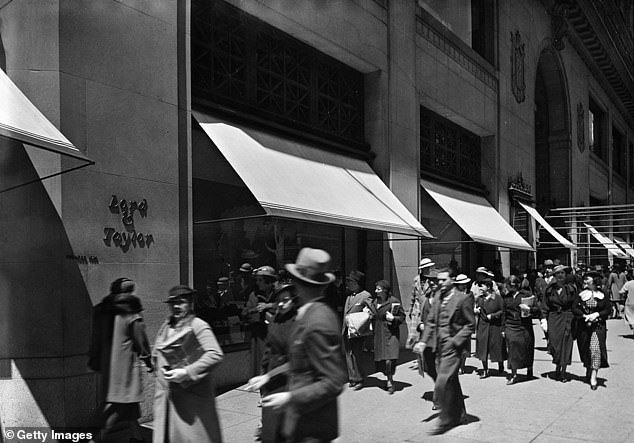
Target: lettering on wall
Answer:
pixel 83 259
pixel 127 237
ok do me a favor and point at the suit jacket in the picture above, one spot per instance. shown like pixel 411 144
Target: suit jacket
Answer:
pixel 316 375
pixel 354 303
pixel 462 320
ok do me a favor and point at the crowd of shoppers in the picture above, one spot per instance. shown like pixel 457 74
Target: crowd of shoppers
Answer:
pixel 300 344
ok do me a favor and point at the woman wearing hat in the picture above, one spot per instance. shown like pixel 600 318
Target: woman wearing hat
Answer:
pixel 591 309
pixel 388 316
pixel 186 350
pixel 557 320
pixel 489 308
pixel 259 303
pixel 275 359
pixel 520 306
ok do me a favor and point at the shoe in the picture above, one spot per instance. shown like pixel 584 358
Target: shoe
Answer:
pixel 511 381
pixel 484 374
pixel 529 373
pixel 390 388
pixel 594 387
pixel 564 378
pixel 358 386
pixel 435 407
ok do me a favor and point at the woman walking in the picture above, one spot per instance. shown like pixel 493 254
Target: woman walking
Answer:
pixel 557 319
pixel 388 316
pixel 519 309
pixel 186 350
pixel 489 341
pixel 592 308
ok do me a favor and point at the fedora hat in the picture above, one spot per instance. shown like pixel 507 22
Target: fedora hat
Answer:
pixel 179 294
pixel 311 266
pixel 246 267
pixel 462 279
pixel 425 263
pixel 357 276
pixel 548 262
pixel 265 271
pixel 485 271
pixel 560 268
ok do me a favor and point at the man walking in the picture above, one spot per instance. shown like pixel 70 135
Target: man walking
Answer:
pixel 316 374
pixel 118 342
pixel 358 299
pixel 448 330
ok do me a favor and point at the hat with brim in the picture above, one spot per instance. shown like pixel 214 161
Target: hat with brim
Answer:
pixel 425 263
pixel 484 271
pixel 311 267
pixel 462 279
pixel 548 262
pixel 246 267
pixel 179 294
pixel 560 268
pixel 283 287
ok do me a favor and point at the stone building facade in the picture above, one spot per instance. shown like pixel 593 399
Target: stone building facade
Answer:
pixel 486 101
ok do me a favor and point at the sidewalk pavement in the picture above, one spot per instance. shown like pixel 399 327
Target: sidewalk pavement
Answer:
pixel 538 410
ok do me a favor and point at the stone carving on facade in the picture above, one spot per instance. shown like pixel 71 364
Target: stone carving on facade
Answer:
pixel 520 189
pixel 581 130
pixel 558 14
pixel 517 67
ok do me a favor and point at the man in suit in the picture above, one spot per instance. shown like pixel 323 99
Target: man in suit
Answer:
pixel 448 330
pixel 316 374
pixel 358 298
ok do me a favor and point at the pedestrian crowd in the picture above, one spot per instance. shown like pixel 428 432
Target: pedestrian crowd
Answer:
pixel 303 351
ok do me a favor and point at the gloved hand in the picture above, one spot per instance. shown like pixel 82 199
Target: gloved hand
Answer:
pixel 176 375
pixel 544 324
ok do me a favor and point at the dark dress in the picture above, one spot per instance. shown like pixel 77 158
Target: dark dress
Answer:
pixel 275 355
pixel 387 335
pixel 585 304
pixel 489 340
pixel 520 338
pixel 557 309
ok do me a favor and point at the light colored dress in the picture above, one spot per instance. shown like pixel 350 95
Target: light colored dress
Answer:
pixel 628 290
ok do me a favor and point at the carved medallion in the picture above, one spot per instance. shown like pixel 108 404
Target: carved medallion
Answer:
pixel 517 67
pixel 581 129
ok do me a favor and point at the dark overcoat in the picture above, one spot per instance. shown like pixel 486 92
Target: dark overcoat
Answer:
pixel 387 334
pixel 584 330
pixel 557 309
pixel 316 375
pixel 518 330
pixel 489 340
pixel 186 412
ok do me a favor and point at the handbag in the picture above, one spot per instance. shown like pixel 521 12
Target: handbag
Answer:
pixel 359 324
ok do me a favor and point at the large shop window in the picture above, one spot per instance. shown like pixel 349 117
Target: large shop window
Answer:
pixel 447 150
pixel 631 163
pixel 258 198
pixel 473 21
pixel 619 160
pixel 246 66
pixel 596 127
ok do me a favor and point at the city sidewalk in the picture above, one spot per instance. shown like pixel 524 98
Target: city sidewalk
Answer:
pixel 540 410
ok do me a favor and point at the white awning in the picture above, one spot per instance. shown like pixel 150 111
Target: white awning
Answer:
pixel 302 182
pixel 625 246
pixel 539 219
pixel 20 120
pixel 606 242
pixel 475 215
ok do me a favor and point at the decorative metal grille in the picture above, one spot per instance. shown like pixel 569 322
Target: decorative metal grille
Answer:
pixel 448 150
pixel 244 64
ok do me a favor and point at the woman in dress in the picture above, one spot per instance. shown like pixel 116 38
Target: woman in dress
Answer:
pixel 186 351
pixel 388 315
pixel 489 341
pixel 557 319
pixel 520 307
pixel 591 309
pixel 274 362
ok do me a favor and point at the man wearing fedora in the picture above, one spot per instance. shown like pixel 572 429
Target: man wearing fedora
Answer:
pixel 357 300
pixel 449 326
pixel 316 374
pixel 420 290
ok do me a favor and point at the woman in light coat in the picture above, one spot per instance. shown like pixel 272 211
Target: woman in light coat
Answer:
pixel 185 352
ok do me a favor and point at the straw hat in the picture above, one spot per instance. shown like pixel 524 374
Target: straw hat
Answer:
pixel 462 279
pixel 426 263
